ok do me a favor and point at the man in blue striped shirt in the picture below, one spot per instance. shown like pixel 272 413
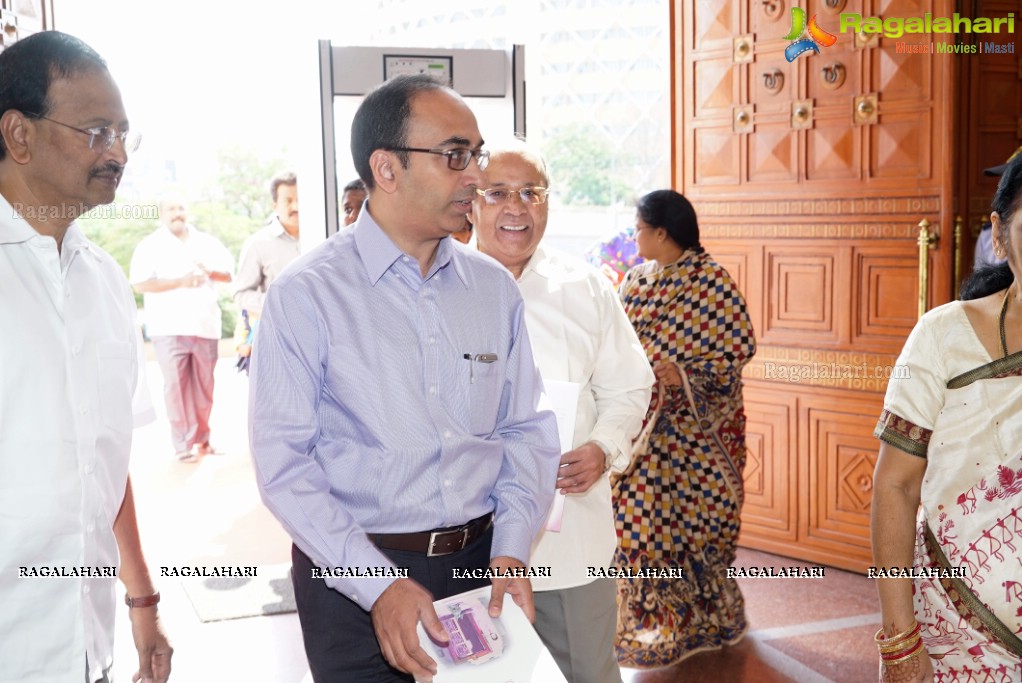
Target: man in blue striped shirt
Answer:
pixel 395 405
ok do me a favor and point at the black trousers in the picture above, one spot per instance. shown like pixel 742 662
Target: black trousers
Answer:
pixel 339 639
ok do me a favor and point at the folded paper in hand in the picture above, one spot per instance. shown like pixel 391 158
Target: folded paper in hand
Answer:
pixel 504 649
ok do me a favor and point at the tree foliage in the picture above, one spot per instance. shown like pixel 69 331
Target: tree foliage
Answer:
pixel 582 167
pixel 231 209
pixel 243 180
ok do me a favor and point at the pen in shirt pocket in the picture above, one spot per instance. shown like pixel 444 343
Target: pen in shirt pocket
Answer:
pixel 477 358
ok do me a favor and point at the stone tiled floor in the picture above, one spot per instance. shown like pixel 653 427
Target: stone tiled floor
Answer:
pixel 209 513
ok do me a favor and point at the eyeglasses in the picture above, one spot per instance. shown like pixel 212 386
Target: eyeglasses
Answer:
pixel 457 159
pixel 101 139
pixel 501 195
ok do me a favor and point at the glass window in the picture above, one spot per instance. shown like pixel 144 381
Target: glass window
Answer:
pixel 599 94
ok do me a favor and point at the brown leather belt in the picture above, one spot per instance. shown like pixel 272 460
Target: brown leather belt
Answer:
pixel 437 542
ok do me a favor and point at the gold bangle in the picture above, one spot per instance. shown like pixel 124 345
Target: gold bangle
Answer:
pixel 901 644
pixel 900 647
pixel 880 639
pixel 902 660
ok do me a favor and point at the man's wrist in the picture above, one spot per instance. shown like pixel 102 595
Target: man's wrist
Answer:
pixel 507 561
pixel 143 601
pixel 608 456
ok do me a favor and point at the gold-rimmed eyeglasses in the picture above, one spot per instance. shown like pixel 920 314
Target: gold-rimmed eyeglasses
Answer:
pixel 501 195
pixel 101 138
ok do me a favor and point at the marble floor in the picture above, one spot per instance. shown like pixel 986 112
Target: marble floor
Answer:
pixel 209 513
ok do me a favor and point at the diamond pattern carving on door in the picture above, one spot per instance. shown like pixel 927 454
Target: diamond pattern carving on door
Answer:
pixel 900 146
pixel 715 22
pixel 900 76
pixel 902 8
pixel 714 86
pixel 855 475
pixel 768 508
pixel 716 156
pixel 838 478
pixel 833 150
pixel 772 154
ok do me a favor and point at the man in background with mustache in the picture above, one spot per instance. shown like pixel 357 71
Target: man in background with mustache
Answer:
pixel 263 256
pixel 71 377
pixel 175 268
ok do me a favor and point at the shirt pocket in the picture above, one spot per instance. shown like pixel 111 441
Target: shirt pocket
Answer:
pixel 485 383
pixel 116 384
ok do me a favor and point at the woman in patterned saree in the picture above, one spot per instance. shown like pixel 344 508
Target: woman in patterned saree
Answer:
pixel 678 502
pixel 948 482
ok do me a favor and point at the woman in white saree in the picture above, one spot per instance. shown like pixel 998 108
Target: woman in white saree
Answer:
pixel 948 483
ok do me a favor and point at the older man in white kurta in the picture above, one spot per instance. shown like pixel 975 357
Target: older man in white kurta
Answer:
pixel 580 335
pixel 71 379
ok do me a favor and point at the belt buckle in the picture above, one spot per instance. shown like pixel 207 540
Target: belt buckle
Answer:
pixel 434 535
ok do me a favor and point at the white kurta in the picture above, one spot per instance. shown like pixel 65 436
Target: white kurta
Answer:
pixel 185 311
pixel 71 390
pixel 580 333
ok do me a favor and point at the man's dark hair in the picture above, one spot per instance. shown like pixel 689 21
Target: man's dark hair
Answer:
pixel 671 211
pixel 382 119
pixel 285 178
pixel 355 185
pixel 28 67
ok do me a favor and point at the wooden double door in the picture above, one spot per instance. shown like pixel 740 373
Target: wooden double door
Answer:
pixel 811 179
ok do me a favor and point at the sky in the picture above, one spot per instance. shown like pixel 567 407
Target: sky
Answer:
pixel 206 72
pixel 199 76
pixel 194 78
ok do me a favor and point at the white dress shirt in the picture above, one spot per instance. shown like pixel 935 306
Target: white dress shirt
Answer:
pixel 580 333
pixel 371 413
pixel 71 391
pixel 185 311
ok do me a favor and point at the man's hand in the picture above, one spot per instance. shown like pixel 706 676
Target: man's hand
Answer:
pixel 580 468
pixel 395 614
pixel 154 652
pixel 520 589
pixel 214 275
pixel 196 278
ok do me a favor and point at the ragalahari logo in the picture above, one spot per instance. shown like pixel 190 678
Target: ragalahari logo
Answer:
pixel 804 43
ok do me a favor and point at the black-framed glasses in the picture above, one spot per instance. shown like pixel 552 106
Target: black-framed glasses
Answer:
pixel 100 139
pixel 501 195
pixel 457 158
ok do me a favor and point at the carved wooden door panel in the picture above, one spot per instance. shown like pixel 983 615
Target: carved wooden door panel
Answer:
pixel 810 179
pixel 990 109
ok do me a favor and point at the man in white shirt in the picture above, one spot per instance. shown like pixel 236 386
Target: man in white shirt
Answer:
pixel 176 268
pixel 71 377
pixel 579 334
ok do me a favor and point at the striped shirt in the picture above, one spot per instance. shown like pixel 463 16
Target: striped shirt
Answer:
pixel 383 401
